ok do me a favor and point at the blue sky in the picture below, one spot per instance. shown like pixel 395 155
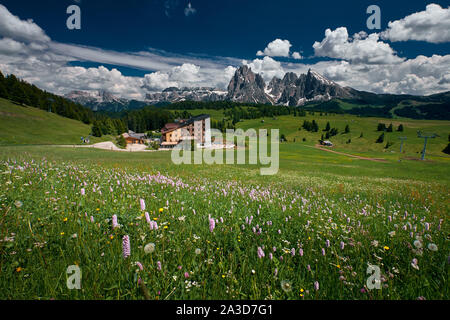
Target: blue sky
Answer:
pixel 204 37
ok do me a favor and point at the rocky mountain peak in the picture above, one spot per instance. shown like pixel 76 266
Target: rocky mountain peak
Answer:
pixel 292 90
pixel 247 86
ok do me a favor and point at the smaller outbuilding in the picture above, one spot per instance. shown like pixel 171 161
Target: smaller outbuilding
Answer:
pixel 135 138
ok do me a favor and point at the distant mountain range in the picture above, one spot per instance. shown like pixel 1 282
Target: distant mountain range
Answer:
pixel 173 94
pixel 104 101
pixel 293 90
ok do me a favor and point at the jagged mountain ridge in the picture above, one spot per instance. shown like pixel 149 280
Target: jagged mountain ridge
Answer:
pixel 245 86
pixel 292 90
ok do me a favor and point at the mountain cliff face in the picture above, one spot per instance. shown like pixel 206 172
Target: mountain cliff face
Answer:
pixel 295 90
pixel 246 86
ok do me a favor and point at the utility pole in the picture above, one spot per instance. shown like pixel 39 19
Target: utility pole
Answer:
pixel 426 137
pixel 403 139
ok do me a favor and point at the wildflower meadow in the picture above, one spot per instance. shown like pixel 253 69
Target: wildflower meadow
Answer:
pixel 136 232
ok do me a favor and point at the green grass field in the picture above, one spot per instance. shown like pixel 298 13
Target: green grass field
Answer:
pixel 308 232
pixel 27 125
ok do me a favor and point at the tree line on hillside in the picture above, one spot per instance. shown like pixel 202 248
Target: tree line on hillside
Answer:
pixel 26 94
pixel 143 120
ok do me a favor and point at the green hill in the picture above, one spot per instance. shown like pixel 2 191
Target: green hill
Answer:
pixel 28 125
pixel 434 107
pixel 363 134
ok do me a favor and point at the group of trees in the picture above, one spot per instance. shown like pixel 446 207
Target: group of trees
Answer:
pixel 381 139
pixel 382 127
pixel 331 132
pixel 27 94
pixel 108 126
pixel 222 125
pixel 310 126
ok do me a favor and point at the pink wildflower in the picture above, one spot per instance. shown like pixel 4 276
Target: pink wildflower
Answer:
pixel 126 246
pixel 114 222
pixel 142 202
pixel 260 253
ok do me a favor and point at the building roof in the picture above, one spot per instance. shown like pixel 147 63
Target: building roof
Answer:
pixel 169 127
pixel 131 134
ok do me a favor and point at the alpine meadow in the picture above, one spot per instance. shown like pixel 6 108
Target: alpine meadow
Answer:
pixel 357 121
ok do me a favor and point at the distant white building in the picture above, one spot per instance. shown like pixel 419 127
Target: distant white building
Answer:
pixel 327 143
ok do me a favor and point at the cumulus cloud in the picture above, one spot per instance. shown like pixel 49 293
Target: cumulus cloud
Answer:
pixel 13 27
pixel 361 49
pixel 297 56
pixel 158 81
pixel 187 72
pixel 420 76
pixel 188 75
pixel 431 25
pixel 276 48
pixel 266 67
pixel 366 64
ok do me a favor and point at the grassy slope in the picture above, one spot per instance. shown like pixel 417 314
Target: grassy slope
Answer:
pixel 289 126
pixel 28 125
pixel 20 125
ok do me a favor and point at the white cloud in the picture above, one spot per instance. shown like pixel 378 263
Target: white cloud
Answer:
pixel 337 44
pixel 266 67
pixel 187 72
pixel 188 75
pixel 9 46
pixel 297 56
pixel 158 81
pixel 277 48
pixel 13 27
pixel 369 64
pixel 419 76
pixel 431 25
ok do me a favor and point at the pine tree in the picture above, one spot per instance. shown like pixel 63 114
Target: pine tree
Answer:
pixel 390 128
pixel 328 127
pixel 121 142
pixel 380 138
pixel 447 149
pixel 347 129
pixel 381 127
pixel 400 128
pixel 96 129
pixel 3 91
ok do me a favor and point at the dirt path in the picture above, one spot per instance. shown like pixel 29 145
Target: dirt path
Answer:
pixel 317 146
pixel 108 145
